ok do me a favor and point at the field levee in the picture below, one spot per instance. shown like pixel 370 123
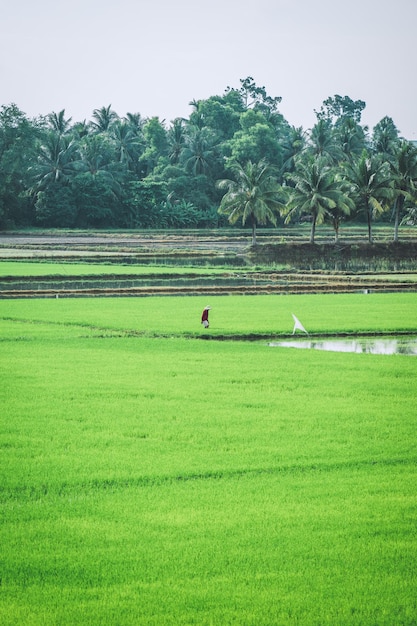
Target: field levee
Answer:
pixel 341 253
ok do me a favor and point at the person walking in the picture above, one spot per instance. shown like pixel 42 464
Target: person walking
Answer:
pixel 204 317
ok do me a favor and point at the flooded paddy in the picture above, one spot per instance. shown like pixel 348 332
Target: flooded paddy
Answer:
pixel 371 345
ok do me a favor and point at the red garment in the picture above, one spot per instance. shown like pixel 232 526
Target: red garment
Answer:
pixel 204 317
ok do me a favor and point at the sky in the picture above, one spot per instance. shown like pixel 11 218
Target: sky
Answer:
pixel 154 57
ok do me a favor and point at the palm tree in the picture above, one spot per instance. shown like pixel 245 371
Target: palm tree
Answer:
pixel 126 142
pixel 97 158
pixel 104 118
pixel 135 144
pixel 196 117
pixel 351 138
pixel 322 142
pixel 342 210
pixel 135 122
pixel 56 161
pixel 371 180
pixel 254 195
pixel 97 185
pixel 198 150
pixel 404 168
pixel 58 123
pixel 176 140
pixel 80 130
pixel 317 192
pixel 293 146
pixel 385 137
pixel 53 175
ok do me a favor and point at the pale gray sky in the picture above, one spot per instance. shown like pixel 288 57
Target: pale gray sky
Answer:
pixel 154 56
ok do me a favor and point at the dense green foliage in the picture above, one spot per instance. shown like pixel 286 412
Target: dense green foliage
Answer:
pixel 172 481
pixel 253 196
pixel 132 172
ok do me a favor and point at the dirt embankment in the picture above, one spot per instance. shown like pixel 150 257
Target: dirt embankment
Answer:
pixel 302 254
pixel 319 268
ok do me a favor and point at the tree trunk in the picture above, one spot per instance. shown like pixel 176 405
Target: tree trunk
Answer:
pixel 313 229
pixel 336 230
pixel 253 232
pixel 398 207
pixel 369 217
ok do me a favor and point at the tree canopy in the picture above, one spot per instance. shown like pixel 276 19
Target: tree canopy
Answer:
pixel 252 196
pixel 135 172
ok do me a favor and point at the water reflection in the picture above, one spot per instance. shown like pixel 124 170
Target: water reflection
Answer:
pixel 391 345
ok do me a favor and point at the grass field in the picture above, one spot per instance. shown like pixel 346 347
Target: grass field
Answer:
pixel 149 477
pixel 230 316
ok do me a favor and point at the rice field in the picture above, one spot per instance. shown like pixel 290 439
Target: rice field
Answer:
pixel 151 477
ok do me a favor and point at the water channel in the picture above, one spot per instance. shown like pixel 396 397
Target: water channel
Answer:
pixel 372 345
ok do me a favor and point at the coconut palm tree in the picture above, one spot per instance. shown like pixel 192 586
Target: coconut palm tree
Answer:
pixel 56 161
pixel 58 123
pixel 318 192
pixel 97 159
pixel 254 195
pixel 126 142
pixel 404 168
pixel 342 210
pixel 293 145
pixel 385 137
pixel 351 138
pixel 372 186
pixel 80 130
pixel 198 152
pixel 196 118
pixel 176 140
pixel 135 122
pixel 322 142
pixel 103 119
pixel 52 177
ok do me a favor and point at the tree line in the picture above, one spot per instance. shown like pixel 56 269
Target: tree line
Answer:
pixel 234 159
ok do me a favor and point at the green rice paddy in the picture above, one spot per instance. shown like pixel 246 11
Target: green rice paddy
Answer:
pixel 152 478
